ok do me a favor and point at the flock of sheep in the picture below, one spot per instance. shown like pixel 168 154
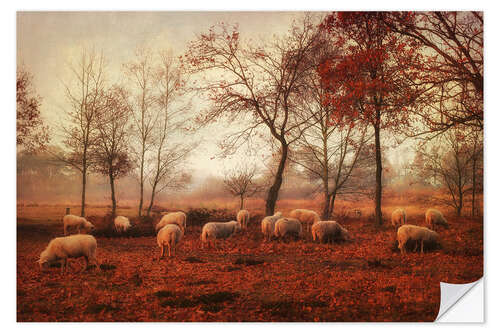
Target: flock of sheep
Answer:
pixel 172 226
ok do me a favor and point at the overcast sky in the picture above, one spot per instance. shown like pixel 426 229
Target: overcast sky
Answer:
pixel 48 41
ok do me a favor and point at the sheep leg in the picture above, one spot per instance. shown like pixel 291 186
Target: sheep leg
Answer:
pixel 63 263
pixel 169 252
pixel 401 247
pixel 422 246
pixel 416 247
pixel 86 264
pixel 97 267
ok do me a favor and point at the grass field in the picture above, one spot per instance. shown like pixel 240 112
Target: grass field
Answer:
pixel 247 279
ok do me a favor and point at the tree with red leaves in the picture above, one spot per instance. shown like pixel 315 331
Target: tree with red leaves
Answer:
pixel 376 80
pixel 453 66
pixel 31 132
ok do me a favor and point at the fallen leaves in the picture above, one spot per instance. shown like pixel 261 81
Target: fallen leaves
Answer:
pixel 248 279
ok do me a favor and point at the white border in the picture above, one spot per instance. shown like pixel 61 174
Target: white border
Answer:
pixel 7 132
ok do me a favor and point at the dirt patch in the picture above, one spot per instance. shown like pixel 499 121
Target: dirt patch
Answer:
pixel 194 260
pixel 248 261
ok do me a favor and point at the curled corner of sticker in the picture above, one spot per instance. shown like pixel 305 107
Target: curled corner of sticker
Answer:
pixel 451 294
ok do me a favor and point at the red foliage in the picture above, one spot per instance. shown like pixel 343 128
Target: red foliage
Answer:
pixel 377 72
pixel 248 279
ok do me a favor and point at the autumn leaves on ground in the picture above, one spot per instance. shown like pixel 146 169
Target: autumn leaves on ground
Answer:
pixel 247 278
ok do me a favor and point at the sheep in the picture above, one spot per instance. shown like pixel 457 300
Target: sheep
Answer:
pixel 76 222
pixel 178 218
pixel 218 230
pixel 122 224
pixel 309 217
pixel 434 217
pixel 169 236
pixel 419 235
pixel 329 231
pixel 268 223
pixel 243 217
pixel 74 246
pixel 287 226
pixel 398 217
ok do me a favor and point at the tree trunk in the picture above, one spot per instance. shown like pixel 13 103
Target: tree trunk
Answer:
pixel 272 195
pixel 152 200
pixel 113 199
pixel 474 165
pixel 84 186
pixel 241 202
pixel 326 207
pixel 460 204
pixel 141 200
pixel 378 185
pixel 332 204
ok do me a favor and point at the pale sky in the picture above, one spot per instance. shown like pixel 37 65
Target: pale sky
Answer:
pixel 48 41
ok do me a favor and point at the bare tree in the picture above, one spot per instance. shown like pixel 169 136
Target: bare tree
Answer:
pixel 447 162
pixel 168 155
pixel 85 94
pixel 240 182
pixel 255 83
pixel 327 150
pixel 140 73
pixel 112 146
pixel 32 134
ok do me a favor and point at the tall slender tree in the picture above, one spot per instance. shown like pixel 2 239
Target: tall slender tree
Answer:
pixel 375 81
pixel 85 94
pixel 141 76
pixel 112 154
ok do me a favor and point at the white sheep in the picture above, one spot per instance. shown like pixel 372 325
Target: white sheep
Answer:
pixel 77 222
pixel 243 217
pixel 178 218
pixel 218 230
pixel 329 231
pixel 74 246
pixel 122 224
pixel 434 217
pixel 398 217
pixel 419 235
pixel 267 224
pixel 169 236
pixel 287 226
pixel 306 216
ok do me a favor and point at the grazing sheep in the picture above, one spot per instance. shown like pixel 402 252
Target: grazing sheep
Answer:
pixel 77 222
pixel 178 218
pixel 122 224
pixel 309 217
pixel 419 235
pixel 268 223
pixel 329 231
pixel 218 230
pixel 74 246
pixel 287 226
pixel 434 217
pixel 243 217
pixel 398 217
pixel 169 236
